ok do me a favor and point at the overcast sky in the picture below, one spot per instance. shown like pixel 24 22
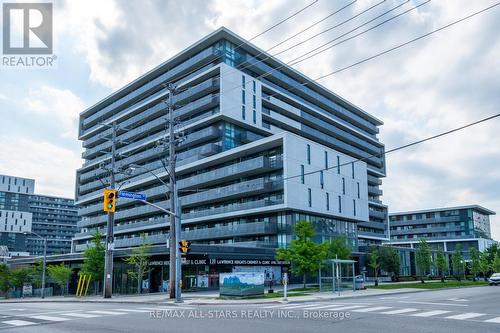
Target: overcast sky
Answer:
pixel 433 85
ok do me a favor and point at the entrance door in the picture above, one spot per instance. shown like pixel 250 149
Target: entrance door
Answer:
pixel 155 280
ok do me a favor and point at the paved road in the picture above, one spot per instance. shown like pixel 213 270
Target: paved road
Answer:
pixel 457 311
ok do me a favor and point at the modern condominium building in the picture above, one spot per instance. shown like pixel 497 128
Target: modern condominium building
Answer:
pixel 443 228
pixel 264 147
pixel 54 218
pixel 24 215
pixel 15 215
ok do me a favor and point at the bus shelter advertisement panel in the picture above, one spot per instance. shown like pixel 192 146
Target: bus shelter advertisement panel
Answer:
pixel 241 284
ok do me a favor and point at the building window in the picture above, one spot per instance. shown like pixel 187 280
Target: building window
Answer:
pixel 327 201
pixel 243 112
pixel 321 179
pixel 243 97
pixel 340 204
pixel 302 177
pixel 308 154
pixel 358 191
pixel 352 170
pixel 243 81
pixel 254 102
pixel 326 160
pixel 254 114
pixel 254 87
pixel 354 206
pixel 309 197
pixel 338 164
pixel 343 185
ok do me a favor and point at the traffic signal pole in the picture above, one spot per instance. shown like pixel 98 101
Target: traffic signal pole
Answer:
pixel 108 261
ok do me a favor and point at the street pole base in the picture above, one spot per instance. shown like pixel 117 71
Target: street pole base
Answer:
pixel 285 299
pixel 178 301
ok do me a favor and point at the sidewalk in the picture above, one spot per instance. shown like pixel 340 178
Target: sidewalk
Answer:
pixel 212 297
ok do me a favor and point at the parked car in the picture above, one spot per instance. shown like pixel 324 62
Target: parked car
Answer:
pixel 494 279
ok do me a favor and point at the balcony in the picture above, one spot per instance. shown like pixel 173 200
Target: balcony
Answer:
pixel 249 167
pixel 266 244
pixel 237 230
pixel 377 214
pixel 373 190
pixel 231 208
pixel 246 188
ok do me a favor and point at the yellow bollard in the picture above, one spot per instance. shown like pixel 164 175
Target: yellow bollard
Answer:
pixel 88 282
pixel 78 285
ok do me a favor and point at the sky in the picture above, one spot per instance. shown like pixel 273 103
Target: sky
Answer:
pixel 438 83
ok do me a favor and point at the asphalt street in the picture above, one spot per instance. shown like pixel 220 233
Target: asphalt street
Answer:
pixel 455 310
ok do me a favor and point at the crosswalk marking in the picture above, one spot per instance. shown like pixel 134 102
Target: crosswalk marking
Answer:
pixel 296 306
pixel 108 312
pixel 467 315
pixel 327 307
pixel 81 315
pixel 133 310
pixel 377 308
pixel 168 308
pixel 430 313
pixel 18 322
pixel 350 307
pixel 399 311
pixel 48 318
pixel 493 320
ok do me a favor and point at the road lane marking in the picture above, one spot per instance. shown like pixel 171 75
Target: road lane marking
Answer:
pixel 430 313
pixel 399 311
pixel 467 315
pixel 168 308
pixel 48 318
pixel 18 322
pixel 431 303
pixel 377 308
pixel 82 315
pixel 107 312
pixel 493 320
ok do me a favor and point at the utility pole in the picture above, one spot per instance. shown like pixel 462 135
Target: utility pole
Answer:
pixel 174 267
pixel 108 261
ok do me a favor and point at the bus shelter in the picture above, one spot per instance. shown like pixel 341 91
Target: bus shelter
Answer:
pixel 337 275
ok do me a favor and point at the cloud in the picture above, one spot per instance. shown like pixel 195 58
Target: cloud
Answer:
pixel 52 167
pixel 62 106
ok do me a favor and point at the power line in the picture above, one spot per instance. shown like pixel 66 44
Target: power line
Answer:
pixel 294 61
pixel 401 147
pixel 408 42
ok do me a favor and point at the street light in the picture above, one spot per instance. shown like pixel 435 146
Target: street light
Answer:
pixel 44 259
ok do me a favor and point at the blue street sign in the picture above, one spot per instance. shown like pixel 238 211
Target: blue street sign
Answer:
pixel 131 195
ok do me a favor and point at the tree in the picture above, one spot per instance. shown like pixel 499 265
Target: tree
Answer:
pixel 475 266
pixel 35 272
pixel 60 274
pixel 139 258
pixel 374 263
pixel 423 258
pixel 303 253
pixel 19 276
pixel 339 249
pixel 484 265
pixel 4 278
pixel 93 260
pixel 389 260
pixel 496 263
pixel 441 263
pixel 457 261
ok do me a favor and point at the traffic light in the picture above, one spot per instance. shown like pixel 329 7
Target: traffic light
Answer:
pixel 110 200
pixel 184 246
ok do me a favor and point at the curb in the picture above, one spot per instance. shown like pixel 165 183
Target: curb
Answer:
pixel 221 302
